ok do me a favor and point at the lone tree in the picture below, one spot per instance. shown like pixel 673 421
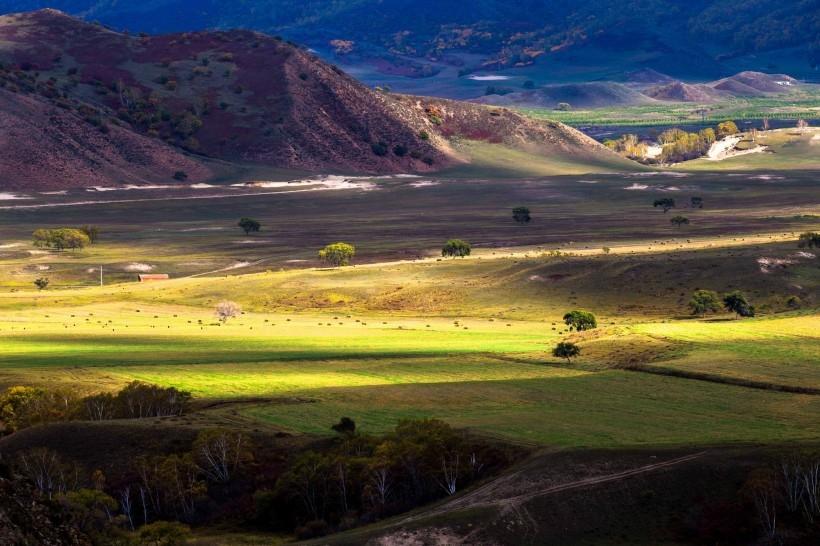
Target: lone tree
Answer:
pixel 666 203
pixel 456 248
pixel 337 254
pixel 226 310
pixel 704 301
pixel 41 283
pixel 679 221
pixel 346 425
pixel 249 225
pixel 521 215
pixel 566 349
pixel 580 320
pixel 696 202
pixel 810 239
pixel 737 303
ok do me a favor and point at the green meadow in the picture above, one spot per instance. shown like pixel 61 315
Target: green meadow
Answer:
pixel 403 333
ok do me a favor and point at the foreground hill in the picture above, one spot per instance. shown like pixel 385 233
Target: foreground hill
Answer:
pixel 110 106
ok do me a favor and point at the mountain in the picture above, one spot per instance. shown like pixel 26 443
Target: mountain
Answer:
pixel 578 95
pixel 699 39
pixel 108 106
pixel 743 84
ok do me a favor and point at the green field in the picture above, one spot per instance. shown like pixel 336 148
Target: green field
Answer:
pixel 404 333
pixel 800 105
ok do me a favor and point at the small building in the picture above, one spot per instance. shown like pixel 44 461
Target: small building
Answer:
pixel 152 277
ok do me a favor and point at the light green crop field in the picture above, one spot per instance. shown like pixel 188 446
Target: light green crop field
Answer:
pixel 404 333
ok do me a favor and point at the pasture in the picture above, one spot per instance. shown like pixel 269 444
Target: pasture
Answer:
pixel 404 333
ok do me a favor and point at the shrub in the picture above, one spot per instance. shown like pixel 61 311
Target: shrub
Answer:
pixel 456 248
pixel 337 254
pixel 521 215
pixel 379 148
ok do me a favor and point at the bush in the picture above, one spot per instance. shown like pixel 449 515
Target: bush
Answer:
pixel 521 215
pixel 337 254
pixel 456 248
pixel 180 175
pixel 379 148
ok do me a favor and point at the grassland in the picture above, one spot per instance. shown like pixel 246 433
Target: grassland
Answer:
pixel 804 105
pixel 404 333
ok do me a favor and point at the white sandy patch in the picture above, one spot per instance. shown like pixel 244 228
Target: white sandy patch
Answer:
pixel 806 255
pixel 767 264
pixel 213 228
pixel 43 267
pixel 132 187
pixel 38 252
pixel 653 151
pixel 325 182
pixel 488 78
pixel 238 265
pixel 767 177
pixel 12 196
pixel 726 148
pixel 201 186
pixel 138 267
pixel 250 242
pixel 423 184
pixel 587 181
pixel 673 174
pixel 60 192
pixel 295 261
pixel 11 245
pixel 536 278
pixel 636 186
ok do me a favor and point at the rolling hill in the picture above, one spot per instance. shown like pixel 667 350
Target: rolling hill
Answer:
pixel 109 106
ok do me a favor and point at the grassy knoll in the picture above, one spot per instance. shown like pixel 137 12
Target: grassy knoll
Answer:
pixel 782 350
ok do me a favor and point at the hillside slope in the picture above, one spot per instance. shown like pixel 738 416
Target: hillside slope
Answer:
pixel 132 105
pixel 703 38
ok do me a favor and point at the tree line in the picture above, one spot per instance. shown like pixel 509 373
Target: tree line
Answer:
pixel 22 406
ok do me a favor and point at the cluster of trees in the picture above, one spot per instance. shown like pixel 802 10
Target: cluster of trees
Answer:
pixel 809 239
pixel 353 479
pixel 22 406
pixel 456 248
pixel 677 144
pixel 362 478
pixel 708 301
pixel 62 238
pixel 786 498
